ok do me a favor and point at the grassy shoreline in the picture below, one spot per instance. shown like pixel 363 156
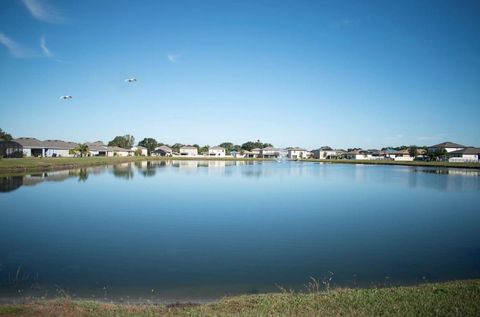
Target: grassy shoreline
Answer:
pixel 456 298
pixel 24 165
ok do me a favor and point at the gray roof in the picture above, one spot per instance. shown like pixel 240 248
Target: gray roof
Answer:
pixel 97 146
pixel 296 149
pixel 59 144
pixel 29 143
pixel 32 143
pixel 163 148
pixel 468 150
pixel 216 148
pixel 118 149
pixel 447 145
pixel 189 147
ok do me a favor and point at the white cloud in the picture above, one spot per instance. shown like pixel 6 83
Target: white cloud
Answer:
pixel 173 58
pixel 16 50
pixel 43 45
pixel 40 10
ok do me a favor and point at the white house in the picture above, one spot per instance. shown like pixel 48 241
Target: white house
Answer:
pixel 188 151
pixel 142 150
pixel 256 152
pixel 163 150
pixel 269 152
pixel 357 155
pixel 216 151
pixel 48 148
pixel 327 153
pixel 469 154
pixel 118 151
pixel 98 149
pixel 297 153
pixel 448 146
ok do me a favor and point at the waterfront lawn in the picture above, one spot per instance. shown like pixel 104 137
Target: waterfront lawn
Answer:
pixel 458 298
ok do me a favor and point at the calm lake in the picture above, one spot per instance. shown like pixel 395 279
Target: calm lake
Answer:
pixel 192 230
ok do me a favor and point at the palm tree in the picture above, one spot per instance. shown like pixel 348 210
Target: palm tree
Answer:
pixel 82 149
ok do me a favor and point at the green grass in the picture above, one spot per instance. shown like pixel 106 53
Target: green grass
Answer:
pixel 23 165
pixel 458 298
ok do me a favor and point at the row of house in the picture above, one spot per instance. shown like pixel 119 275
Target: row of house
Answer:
pixel 31 147
pixel 57 148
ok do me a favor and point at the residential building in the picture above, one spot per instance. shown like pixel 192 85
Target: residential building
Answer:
pixel 118 151
pixel 48 148
pixel 216 151
pixel 327 153
pixel 296 153
pixel 142 150
pixel 357 155
pixel 469 154
pixel 188 151
pixel 11 149
pixel 98 149
pixel 447 146
pixel 256 152
pixel 269 152
pixel 163 150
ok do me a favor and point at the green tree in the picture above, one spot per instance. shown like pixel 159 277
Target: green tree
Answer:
pixel 176 147
pixel 203 149
pixel 252 145
pixel 81 149
pixel 149 143
pixel 5 136
pixel 228 146
pixel 412 150
pixel 125 141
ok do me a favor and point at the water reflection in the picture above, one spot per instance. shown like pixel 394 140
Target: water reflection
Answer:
pixel 443 179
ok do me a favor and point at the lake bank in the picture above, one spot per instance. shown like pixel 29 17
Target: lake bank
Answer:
pixel 457 298
pixel 25 165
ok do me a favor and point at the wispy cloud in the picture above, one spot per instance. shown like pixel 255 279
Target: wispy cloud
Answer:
pixel 42 11
pixel 173 58
pixel 43 45
pixel 16 50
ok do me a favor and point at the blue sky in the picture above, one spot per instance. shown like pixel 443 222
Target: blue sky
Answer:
pixel 292 73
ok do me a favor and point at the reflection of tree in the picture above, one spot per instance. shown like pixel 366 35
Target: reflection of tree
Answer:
pixel 81 173
pixel 10 183
pixel 123 171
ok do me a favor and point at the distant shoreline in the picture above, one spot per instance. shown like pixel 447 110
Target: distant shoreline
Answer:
pixel 26 165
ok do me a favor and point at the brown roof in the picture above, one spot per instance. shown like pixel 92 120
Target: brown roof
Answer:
pixel 447 145
pixel 468 150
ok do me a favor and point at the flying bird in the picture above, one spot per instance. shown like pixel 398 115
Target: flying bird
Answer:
pixel 65 97
pixel 130 80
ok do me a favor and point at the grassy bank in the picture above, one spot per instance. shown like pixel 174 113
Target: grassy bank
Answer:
pixel 459 298
pixel 23 165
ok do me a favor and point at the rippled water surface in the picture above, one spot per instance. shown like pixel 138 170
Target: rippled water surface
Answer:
pixel 200 230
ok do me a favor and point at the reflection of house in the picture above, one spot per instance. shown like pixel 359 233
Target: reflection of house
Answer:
pixel 216 151
pixel 143 151
pixel 297 153
pixel 162 150
pixel 48 148
pixel 447 146
pixel 10 149
pixel 188 151
pixel 469 154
